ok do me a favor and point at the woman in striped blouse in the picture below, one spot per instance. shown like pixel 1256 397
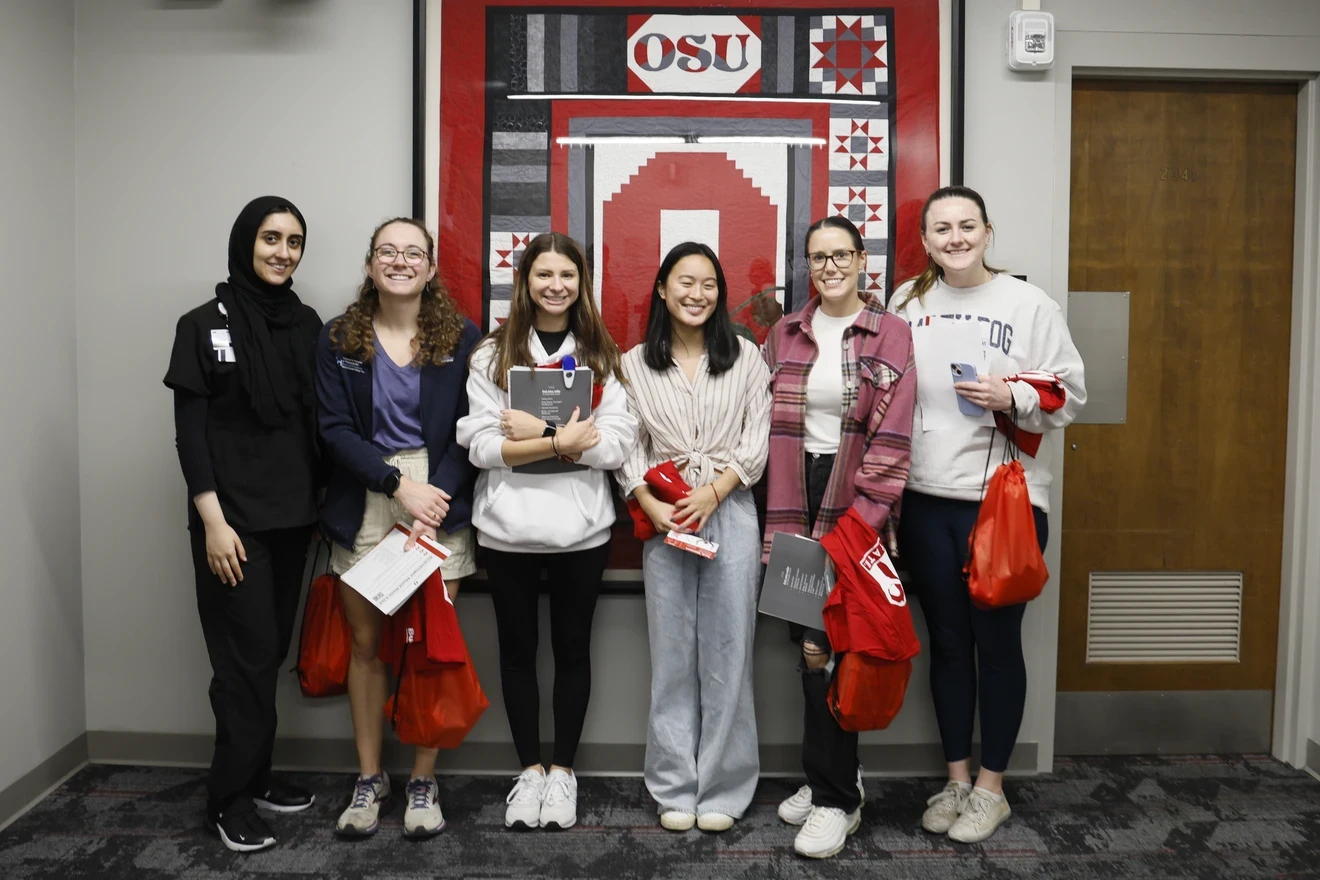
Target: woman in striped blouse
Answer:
pixel 701 397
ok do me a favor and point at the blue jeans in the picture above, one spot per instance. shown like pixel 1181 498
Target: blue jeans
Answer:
pixel 701 744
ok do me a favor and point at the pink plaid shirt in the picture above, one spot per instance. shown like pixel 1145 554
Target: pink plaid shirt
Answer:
pixel 875 446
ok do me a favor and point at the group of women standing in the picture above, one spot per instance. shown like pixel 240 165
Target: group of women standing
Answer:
pixel 399 410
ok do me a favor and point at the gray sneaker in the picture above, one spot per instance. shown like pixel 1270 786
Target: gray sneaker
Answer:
pixel 981 815
pixel 423 818
pixel 362 818
pixel 943 809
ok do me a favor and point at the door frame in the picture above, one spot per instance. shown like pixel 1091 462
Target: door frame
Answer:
pixel 1184 56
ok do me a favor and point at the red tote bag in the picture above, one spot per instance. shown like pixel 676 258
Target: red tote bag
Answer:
pixel 867 692
pixel 436 702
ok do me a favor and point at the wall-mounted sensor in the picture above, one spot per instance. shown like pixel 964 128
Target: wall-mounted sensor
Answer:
pixel 1030 40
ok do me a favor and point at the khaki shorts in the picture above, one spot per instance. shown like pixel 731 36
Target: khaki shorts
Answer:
pixel 382 513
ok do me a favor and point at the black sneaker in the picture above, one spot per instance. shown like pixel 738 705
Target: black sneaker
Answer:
pixel 242 831
pixel 283 797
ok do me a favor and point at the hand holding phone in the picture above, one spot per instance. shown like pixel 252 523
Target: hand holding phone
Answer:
pixel 965 373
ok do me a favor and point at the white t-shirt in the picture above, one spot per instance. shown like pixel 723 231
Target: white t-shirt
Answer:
pixel 825 383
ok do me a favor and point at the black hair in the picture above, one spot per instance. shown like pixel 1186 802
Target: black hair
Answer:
pixel 722 347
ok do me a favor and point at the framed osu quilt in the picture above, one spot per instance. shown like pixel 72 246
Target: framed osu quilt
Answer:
pixel 633 126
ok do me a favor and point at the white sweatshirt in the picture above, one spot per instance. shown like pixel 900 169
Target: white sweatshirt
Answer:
pixel 541 513
pixel 1021 329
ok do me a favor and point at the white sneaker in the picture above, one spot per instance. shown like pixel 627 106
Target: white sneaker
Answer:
pixel 559 804
pixel 825 831
pixel 715 822
pixel 362 818
pixel 795 809
pixel 677 820
pixel 524 810
pixel 423 818
pixel 980 817
pixel 944 808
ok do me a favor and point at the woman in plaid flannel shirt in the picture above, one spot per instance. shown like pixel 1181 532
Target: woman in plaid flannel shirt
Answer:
pixel 844 386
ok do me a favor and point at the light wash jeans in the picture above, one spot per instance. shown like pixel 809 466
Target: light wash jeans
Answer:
pixel 701 746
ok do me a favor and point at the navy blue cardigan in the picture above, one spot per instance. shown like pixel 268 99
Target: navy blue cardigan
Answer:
pixel 343 390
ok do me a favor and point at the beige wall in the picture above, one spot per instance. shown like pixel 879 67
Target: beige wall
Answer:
pixel 41 627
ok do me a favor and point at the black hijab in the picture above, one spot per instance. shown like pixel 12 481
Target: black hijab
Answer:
pixel 274 351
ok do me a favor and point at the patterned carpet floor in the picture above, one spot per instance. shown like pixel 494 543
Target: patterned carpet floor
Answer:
pixel 1109 818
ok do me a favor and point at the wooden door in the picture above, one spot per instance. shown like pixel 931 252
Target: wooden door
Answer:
pixel 1182 194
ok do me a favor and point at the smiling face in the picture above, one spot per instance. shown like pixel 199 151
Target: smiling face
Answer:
pixel 278 248
pixel 400 263
pixel 837 285
pixel 691 291
pixel 956 235
pixel 553 285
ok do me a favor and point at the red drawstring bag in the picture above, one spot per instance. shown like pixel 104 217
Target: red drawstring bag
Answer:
pixel 435 704
pixel 867 692
pixel 668 485
pixel 324 643
pixel 1004 564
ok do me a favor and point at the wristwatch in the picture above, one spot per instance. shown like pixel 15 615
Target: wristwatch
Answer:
pixel 392 483
pixel 549 431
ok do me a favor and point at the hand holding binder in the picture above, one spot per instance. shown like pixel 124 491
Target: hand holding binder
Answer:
pixel 578 435
pixel 559 396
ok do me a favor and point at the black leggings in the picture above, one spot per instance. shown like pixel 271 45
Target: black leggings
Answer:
pixel 247 629
pixel 965 640
pixel 515 586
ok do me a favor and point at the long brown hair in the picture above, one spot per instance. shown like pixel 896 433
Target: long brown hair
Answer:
pixel 933 272
pixel 512 339
pixel 439 322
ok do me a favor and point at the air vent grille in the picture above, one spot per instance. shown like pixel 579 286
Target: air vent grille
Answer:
pixel 1164 617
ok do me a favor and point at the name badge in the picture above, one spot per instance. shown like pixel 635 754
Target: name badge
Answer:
pixel 347 363
pixel 225 354
pixel 220 338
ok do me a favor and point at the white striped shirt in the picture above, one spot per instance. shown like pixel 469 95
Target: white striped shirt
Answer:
pixel 705 426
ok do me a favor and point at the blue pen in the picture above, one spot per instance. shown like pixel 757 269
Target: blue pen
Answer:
pixel 569 366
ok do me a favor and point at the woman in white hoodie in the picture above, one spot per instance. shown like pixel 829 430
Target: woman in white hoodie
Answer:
pixel 975 653
pixel 553 523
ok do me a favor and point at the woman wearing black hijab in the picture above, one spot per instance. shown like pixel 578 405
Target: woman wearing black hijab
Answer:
pixel 244 418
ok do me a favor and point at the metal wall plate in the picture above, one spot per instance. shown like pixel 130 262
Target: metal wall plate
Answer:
pixel 1098 321
pixel 1162 722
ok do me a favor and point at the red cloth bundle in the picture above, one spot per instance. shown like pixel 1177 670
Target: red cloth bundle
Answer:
pixel 667 484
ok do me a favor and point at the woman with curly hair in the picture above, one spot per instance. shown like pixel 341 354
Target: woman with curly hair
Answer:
pixel 390 376
pixel 555 523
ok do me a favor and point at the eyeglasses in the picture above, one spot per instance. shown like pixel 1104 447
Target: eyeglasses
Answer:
pixel 388 254
pixel 842 259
